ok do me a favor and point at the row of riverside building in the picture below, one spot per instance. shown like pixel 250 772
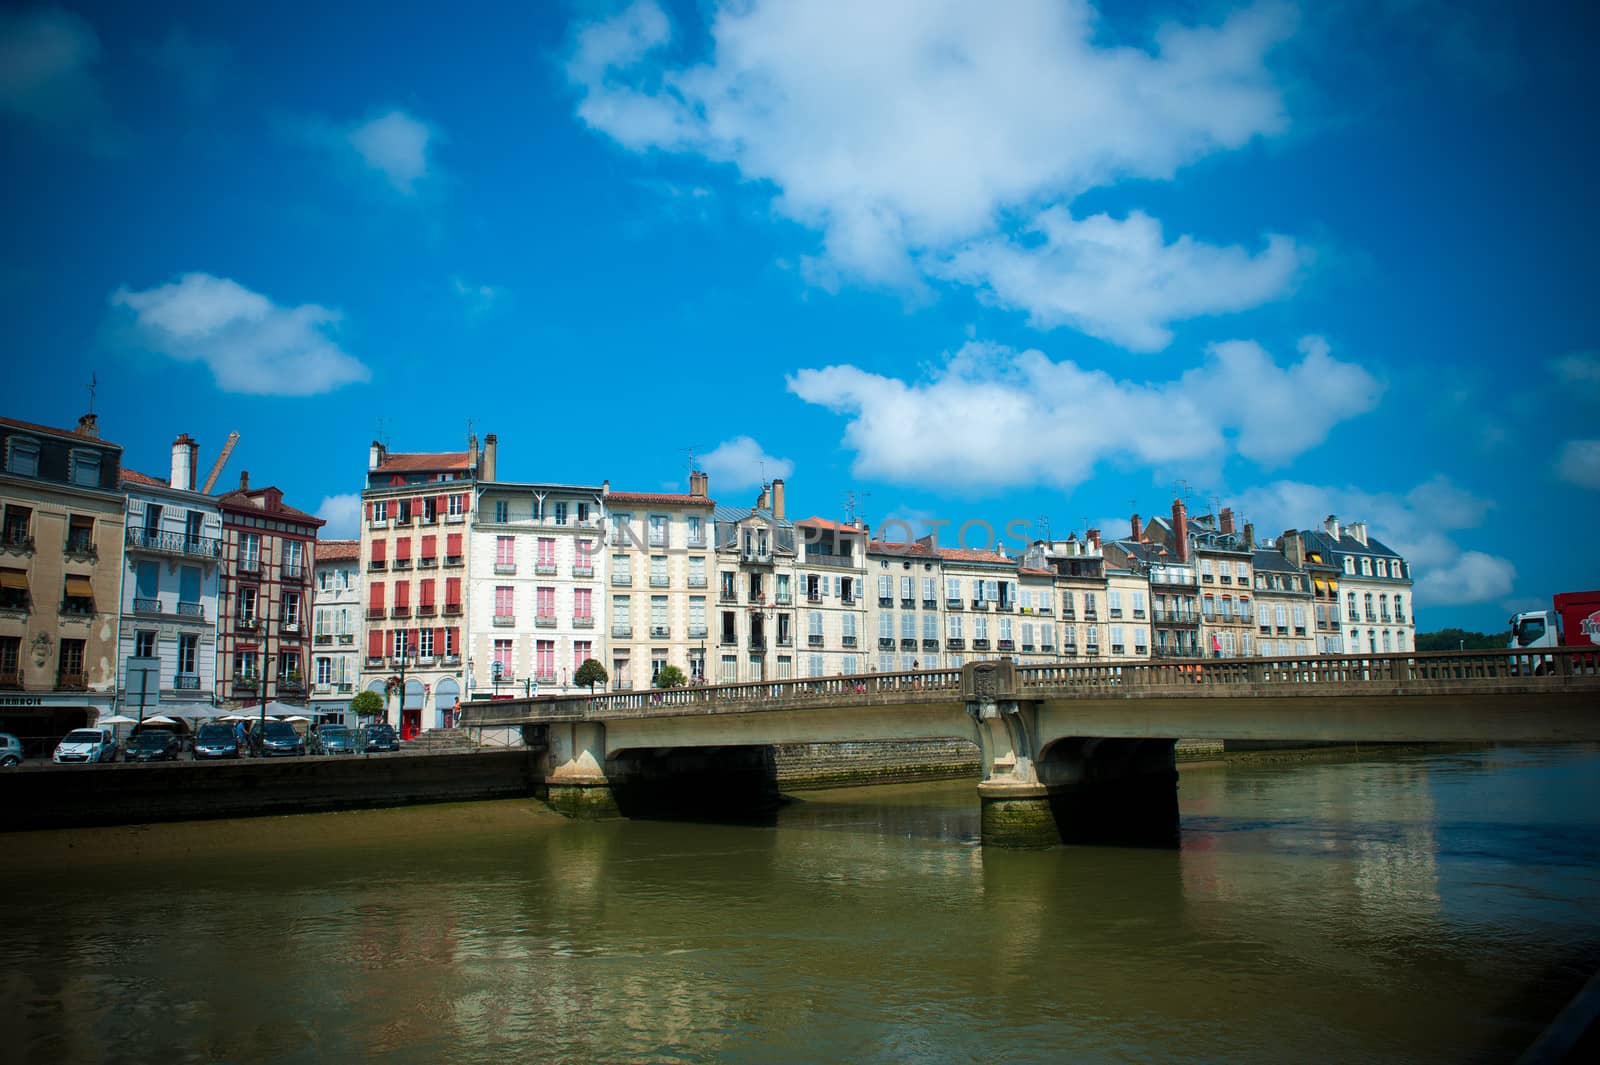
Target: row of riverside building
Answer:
pixel 135 594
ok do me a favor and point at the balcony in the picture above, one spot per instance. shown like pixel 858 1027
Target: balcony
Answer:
pixel 452 561
pixel 291 628
pixel 426 610
pixel 583 571
pixel 505 569
pixel 660 632
pixel 1027 648
pixel 10 678
pixel 1115 613
pixel 583 621
pixel 930 604
pixel 848 641
pixel 886 643
pixel 544 621
pixel 246 683
pixel 378 523
pixel 813 597
pixel 908 604
pixel 784 599
pixel 956 643
pixel 147 606
pixel 930 645
pixel 814 639
pixel 785 640
pixel 428 519
pixel 291 684
pixel 756 558
pixel 191 610
pixel 400 612
pixel 544 569
pixel 621 629
pixel 758 643
pixel 245 624
pixel 1092 649
pixel 402 564
pixel 452 609
pixel 428 562
pixel 980 643
pixel 955 604
pixel 450 660
pixel 377 565
pixel 250 564
pixel 504 621
pixel 727 595
pixel 322 638
pixel 1091 616
pixel 697 632
pixel 80 548
pixel 72 682
pixel 1006 645
pixel 296 571
pixel 908 645
pixel 697 582
pixel 622 580
pixel 374 613
pixel 981 604
pixel 454 519
pixel 658 580
pixel 1070 650
pixel 17 539
pixel 374 661
pixel 172 543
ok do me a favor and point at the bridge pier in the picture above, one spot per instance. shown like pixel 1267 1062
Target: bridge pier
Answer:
pixel 577 785
pixel 1075 790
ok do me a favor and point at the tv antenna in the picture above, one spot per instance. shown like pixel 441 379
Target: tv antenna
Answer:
pixel 94 383
pixel 850 500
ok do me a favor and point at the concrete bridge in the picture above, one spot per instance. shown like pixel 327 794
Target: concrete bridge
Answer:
pixel 1069 751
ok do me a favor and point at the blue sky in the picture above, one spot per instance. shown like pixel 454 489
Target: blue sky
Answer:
pixel 1037 261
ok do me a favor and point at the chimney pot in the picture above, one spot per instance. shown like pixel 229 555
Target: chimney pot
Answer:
pixel 491 455
pixel 89 426
pixel 1180 530
pixel 1225 520
pixel 777 498
pixel 244 480
pixel 181 474
pixel 1137 532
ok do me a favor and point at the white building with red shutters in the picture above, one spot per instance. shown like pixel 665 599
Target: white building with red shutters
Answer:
pixel 416 518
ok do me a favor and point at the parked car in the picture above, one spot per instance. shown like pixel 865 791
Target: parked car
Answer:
pixel 11 753
pixel 87 745
pixel 154 745
pixel 280 737
pixel 333 739
pixel 379 737
pixel 215 741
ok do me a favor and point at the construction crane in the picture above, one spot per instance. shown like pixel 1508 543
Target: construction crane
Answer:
pixel 222 460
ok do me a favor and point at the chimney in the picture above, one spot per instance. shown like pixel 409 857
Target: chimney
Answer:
pixel 1293 548
pixel 183 452
pixel 1137 532
pixel 491 448
pixel 1094 541
pixel 1180 529
pixel 777 499
pixel 1331 526
pixel 244 480
pixel 605 487
pixel 763 500
pixel 472 452
pixel 376 454
pixel 1249 537
pixel 89 426
pixel 1225 520
pixel 1359 531
pixel 698 487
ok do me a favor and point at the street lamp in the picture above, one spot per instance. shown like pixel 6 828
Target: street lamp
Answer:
pixel 266 675
pixel 400 709
pixel 495 671
pixel 701 679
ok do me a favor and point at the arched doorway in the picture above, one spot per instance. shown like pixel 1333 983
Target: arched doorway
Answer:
pixel 446 694
pixel 411 713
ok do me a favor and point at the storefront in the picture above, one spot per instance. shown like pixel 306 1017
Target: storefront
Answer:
pixel 40 719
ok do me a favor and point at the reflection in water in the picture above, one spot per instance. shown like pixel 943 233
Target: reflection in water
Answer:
pixel 1308 913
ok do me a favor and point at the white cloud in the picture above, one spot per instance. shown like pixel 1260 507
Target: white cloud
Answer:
pixel 992 416
pixel 250 344
pixel 343 515
pixel 479 300
pixel 1418 524
pixel 1473 577
pixel 1580 463
pixel 1120 280
pixel 1580 370
pixel 903 129
pixel 396 145
pixel 47 76
pixel 741 463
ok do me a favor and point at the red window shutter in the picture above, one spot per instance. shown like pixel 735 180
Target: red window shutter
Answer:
pixel 412 643
pixel 416 507
pixel 430 547
pixel 375 643
pixel 388 643
pixel 380 549
pixel 376 599
pixel 442 503
pixel 402 595
pixel 427 593
pixel 453 545
pixel 452 590
pixel 369 511
pixel 438 641
pixel 402 548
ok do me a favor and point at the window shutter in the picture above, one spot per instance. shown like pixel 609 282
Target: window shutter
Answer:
pixel 426 597
pixel 388 643
pixel 380 550
pixel 375 643
pixel 442 504
pixel 430 546
pixel 402 595
pixel 402 548
pixel 413 642
pixel 375 601
pixel 453 545
pixel 370 511
pixel 438 641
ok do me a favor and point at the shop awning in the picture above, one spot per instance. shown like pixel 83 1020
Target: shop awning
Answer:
pixel 10 578
pixel 80 588
pixel 1322 586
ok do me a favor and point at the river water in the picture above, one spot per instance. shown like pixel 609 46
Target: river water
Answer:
pixel 1437 907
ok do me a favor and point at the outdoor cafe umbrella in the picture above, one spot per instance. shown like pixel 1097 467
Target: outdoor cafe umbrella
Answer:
pixel 119 719
pixel 160 719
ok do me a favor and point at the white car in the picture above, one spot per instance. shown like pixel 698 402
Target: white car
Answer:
pixel 87 745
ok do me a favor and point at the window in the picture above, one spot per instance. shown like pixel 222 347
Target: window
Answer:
pixel 906 584
pixel 502 511
pixel 582 651
pixel 1349 565
pixel 291 611
pixel 658 571
pixel 621 615
pixel 583 556
pixel 144 644
pixel 546 556
pixel 293 554
pixel 697 617
pixel 86 468
pixel 544 665
pixel 503 602
pixel 23 458
pixel 885 589
pixel 561 513
pixel 980 627
pixel 728 591
pixel 952 589
pixel 80 534
pixel 1383 567
pixel 930 626
pixel 544 601
pixel 621 530
pixel 456 505
pixel 324 671
pixel 658 615
pixel 583 603
pixel 16 526
pixel 244 665
pixel 505 554
pixel 250 552
pixel 886 626
pixel 930 592
pixel 1027 635
pixel 1116 640
pixel 247 605
pixel 188 647
pixel 697 571
pixel 814 625
pixel 697 531
pixel 1114 603
pixel 501 668
pixel 953 626
pixel 658 530
pixel 1242 571
pixel 621 570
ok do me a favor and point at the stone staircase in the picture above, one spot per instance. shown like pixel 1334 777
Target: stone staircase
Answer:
pixel 442 741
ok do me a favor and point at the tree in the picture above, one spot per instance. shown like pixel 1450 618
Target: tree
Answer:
pixel 671 677
pixel 367 704
pixel 1461 640
pixel 590 673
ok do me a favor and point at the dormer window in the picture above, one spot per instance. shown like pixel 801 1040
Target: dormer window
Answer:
pixel 1366 567
pixel 1350 566
pixel 22 457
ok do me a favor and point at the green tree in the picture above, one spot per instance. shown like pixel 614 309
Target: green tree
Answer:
pixel 590 673
pixel 367 704
pixel 671 677
pixel 1461 640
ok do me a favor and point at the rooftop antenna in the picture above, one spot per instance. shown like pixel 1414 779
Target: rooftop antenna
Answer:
pixel 693 466
pixel 381 438
pixel 1044 526
pixel 94 382
pixel 850 499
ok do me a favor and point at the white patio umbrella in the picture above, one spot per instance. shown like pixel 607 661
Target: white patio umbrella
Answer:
pixel 297 717
pixel 119 719
pixel 160 719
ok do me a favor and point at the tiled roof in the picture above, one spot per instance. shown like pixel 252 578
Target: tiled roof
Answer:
pixel 141 478
pixel 1025 571
pixel 246 501
pixel 68 433
pixel 443 460
pixel 962 554
pixel 666 499
pixel 338 550
pixel 832 526
pixel 894 547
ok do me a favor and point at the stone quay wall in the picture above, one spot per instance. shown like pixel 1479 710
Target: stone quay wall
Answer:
pixel 841 765
pixel 76 796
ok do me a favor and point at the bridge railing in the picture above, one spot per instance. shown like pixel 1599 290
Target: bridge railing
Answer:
pixel 1554 667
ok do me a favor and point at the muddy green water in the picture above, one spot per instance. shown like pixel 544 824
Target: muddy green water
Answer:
pixel 1419 908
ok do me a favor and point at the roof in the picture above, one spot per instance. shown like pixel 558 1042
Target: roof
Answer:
pixel 35 427
pixel 249 501
pixel 338 550
pixel 136 477
pixel 962 554
pixel 729 513
pixel 442 460
pixel 895 547
pixel 666 499
pixel 831 526
pixel 1267 560
pixel 1027 572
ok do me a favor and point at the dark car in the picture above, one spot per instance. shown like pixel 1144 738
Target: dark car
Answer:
pixel 280 737
pixel 154 745
pixel 379 737
pixel 334 739
pixel 215 741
